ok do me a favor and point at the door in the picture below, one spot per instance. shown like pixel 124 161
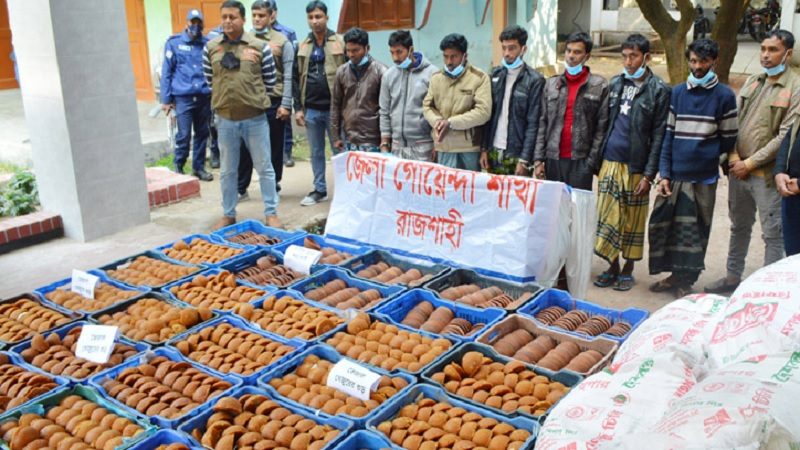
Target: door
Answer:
pixel 7 79
pixel 137 39
pixel 209 8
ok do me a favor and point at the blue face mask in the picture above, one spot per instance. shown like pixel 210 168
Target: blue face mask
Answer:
pixel 455 72
pixel 574 70
pixel 517 63
pixel 777 70
pixel 363 61
pixel 636 75
pixel 406 63
pixel 701 81
pixel 195 30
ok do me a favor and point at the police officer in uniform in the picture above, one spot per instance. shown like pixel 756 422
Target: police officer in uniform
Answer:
pixel 184 88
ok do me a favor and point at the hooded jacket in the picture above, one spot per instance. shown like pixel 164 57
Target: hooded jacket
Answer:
pixel 402 94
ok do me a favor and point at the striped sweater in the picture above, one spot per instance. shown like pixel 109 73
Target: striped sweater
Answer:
pixel 702 125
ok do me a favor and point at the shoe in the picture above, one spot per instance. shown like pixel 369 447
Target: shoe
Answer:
pixel 203 175
pixel 224 222
pixel 177 169
pixel 683 291
pixel 243 197
pixel 273 221
pixel 721 286
pixel 289 162
pixel 214 162
pixel 313 198
pixel 278 187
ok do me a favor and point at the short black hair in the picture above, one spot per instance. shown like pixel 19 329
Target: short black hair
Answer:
pixel 786 37
pixel 703 48
pixel 514 33
pixel 317 4
pixel 456 41
pixel 356 35
pixel 401 37
pixel 636 41
pixel 233 4
pixel 580 36
pixel 264 4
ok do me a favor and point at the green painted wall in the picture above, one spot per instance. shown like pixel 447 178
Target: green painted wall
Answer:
pixel 159 28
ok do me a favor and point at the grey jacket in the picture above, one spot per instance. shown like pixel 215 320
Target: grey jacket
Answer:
pixel 589 124
pixel 402 92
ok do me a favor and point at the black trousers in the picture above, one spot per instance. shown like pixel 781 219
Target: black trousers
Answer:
pixel 277 133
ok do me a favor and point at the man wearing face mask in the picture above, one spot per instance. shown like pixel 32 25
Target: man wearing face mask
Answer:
pixel 516 101
pixel 701 131
pixel 457 105
pixel 769 103
pixel 355 97
pixel 404 130
pixel 573 120
pixel 184 89
pixel 638 108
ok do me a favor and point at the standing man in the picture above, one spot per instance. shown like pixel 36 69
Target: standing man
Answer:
pixel 458 104
pixel 280 99
pixel 184 89
pixel 787 172
pixel 241 72
pixel 292 36
pixel 404 130
pixel 573 120
pixel 510 139
pixel 701 131
pixel 356 94
pixel 319 55
pixel 769 103
pixel 638 110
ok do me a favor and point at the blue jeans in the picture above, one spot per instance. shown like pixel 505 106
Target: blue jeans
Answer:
pixel 460 160
pixel 790 211
pixel 255 133
pixel 361 148
pixel 317 125
pixel 192 111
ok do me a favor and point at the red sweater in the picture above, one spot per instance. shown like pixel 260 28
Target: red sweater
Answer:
pixel 573 84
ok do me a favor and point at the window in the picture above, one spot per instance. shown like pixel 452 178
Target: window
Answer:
pixel 373 15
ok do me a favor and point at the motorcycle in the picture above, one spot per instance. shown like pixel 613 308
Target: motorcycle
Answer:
pixel 702 26
pixel 759 22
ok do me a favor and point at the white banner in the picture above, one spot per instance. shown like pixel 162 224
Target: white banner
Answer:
pixel 503 224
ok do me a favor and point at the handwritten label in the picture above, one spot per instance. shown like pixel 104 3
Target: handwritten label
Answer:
pixel 353 379
pixel 83 283
pixel 300 259
pixel 96 343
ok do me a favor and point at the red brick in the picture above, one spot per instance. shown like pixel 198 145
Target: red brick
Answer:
pixel 36 228
pixel 3 238
pixel 173 193
pixel 24 231
pixel 151 199
pixel 162 197
pixel 57 222
pixel 13 234
pixel 47 225
pixel 188 189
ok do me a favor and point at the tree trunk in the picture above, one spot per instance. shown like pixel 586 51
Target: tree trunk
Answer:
pixel 675 49
pixel 672 33
pixel 725 32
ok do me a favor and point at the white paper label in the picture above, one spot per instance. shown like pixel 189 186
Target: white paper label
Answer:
pixel 353 379
pixel 83 283
pixel 300 259
pixel 96 343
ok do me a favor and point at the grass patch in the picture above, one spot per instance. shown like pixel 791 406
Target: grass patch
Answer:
pixel 7 167
pixel 166 161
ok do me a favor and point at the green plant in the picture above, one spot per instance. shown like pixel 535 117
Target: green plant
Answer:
pixel 166 161
pixel 20 196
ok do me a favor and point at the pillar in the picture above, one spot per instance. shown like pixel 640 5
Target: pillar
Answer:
pixel 80 108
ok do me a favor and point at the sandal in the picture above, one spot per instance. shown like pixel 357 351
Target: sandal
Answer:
pixel 662 286
pixel 605 279
pixel 624 283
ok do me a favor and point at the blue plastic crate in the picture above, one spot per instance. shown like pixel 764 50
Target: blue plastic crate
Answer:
pixel 365 440
pixel 556 297
pixel 223 235
pixel 166 437
pixel 249 260
pixel 41 406
pixel 330 354
pixel 103 270
pixel 420 391
pixel 430 270
pixel 208 273
pixel 62 332
pixel 188 239
pixel 354 250
pixel 567 378
pixel 319 279
pixel 460 277
pixel 16 360
pixel 173 355
pixel 378 318
pixel 240 324
pixel 343 315
pixel 65 284
pixel 397 309
pixel 160 296
pixel 198 421
pixel 71 316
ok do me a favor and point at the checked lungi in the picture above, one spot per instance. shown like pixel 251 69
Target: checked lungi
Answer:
pixel 621 216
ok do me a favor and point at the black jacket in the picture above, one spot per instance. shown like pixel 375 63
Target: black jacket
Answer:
pixel 523 112
pixel 788 159
pixel 648 118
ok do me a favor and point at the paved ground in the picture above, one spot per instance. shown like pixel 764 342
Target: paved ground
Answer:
pixel 36 266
